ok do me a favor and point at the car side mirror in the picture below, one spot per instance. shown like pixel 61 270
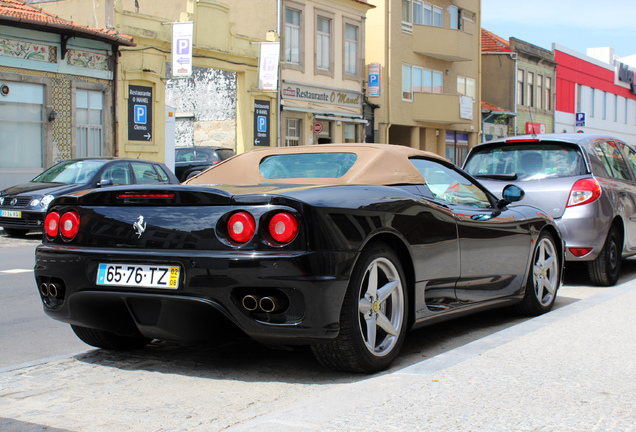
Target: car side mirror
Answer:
pixel 105 182
pixel 511 193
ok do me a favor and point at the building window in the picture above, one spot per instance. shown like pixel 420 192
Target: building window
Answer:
pixel 418 80
pixel 579 97
pixel 21 125
pixel 438 20
pixel 540 91
pixel 351 50
pixel 548 93
pixel 351 133
pixel 466 86
pixel 438 82
pixel 454 17
pixel 406 11
pixel 292 132
pixel 323 43
pixel 88 111
pixel 530 92
pixel 418 16
pixel 407 87
pixel 292 36
pixel 604 107
pixel 427 81
pixel 626 100
pixel 592 102
pixel 428 14
pixel 615 108
pixel 520 88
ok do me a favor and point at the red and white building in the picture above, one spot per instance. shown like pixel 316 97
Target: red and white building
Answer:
pixel 594 94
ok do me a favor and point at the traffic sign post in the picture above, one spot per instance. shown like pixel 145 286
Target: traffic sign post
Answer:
pixel 580 119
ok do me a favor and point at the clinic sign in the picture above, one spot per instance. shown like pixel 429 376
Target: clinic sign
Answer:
pixel 316 94
pixel 261 123
pixel 139 113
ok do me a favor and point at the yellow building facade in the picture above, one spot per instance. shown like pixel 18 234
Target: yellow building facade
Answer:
pixel 142 70
pixel 423 59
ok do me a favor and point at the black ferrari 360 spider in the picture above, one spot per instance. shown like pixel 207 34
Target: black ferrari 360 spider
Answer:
pixel 339 247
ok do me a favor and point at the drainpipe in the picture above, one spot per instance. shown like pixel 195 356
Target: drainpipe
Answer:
pixel 515 58
pixel 387 62
pixel 116 54
pixel 280 78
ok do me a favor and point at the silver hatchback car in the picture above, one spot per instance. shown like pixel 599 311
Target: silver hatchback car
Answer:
pixel 587 183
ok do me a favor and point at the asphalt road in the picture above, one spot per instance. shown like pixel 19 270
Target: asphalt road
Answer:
pixel 26 334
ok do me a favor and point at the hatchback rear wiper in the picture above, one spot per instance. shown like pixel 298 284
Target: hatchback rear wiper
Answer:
pixel 512 176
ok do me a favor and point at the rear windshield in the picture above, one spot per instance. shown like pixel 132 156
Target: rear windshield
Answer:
pixel 527 161
pixel 307 165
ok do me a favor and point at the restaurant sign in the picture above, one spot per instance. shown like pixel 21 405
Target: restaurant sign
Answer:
pixel 322 95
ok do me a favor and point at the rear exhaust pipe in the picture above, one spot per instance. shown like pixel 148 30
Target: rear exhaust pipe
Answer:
pixel 269 304
pixel 44 290
pixel 52 290
pixel 250 302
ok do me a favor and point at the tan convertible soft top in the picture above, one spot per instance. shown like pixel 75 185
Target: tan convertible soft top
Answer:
pixel 376 164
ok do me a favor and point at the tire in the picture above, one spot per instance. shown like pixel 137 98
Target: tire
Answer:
pixel 606 268
pixel 15 232
pixel 108 340
pixel 373 319
pixel 544 278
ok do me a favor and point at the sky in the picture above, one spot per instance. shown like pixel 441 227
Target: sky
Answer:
pixel 574 24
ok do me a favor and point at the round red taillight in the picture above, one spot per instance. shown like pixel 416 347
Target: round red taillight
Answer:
pixel 51 224
pixel 69 225
pixel 283 227
pixel 241 227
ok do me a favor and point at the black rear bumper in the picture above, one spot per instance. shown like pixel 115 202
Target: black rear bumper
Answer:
pixel 309 285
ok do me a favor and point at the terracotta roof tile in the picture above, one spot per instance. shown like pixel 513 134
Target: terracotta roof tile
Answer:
pixel 491 107
pixel 19 14
pixel 490 42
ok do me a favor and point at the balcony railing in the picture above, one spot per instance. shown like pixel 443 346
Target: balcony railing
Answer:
pixel 437 108
pixel 444 43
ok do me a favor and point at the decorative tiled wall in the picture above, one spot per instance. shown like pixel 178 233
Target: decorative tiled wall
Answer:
pixel 61 102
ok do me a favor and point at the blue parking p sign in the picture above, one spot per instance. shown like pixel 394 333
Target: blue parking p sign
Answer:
pixel 140 114
pixel 262 124
pixel 580 119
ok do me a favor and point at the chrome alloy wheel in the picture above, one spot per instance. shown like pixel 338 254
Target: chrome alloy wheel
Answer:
pixel 381 307
pixel 545 269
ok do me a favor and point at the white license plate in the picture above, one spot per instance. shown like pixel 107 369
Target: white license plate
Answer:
pixel 10 213
pixel 136 275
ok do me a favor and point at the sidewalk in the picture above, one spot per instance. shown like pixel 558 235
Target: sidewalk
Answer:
pixel 573 369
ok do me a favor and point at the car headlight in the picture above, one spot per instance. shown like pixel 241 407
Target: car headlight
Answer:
pixel 46 200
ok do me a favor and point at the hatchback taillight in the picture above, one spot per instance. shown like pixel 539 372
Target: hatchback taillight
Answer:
pixel 283 227
pixel 51 224
pixel 584 191
pixel 241 227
